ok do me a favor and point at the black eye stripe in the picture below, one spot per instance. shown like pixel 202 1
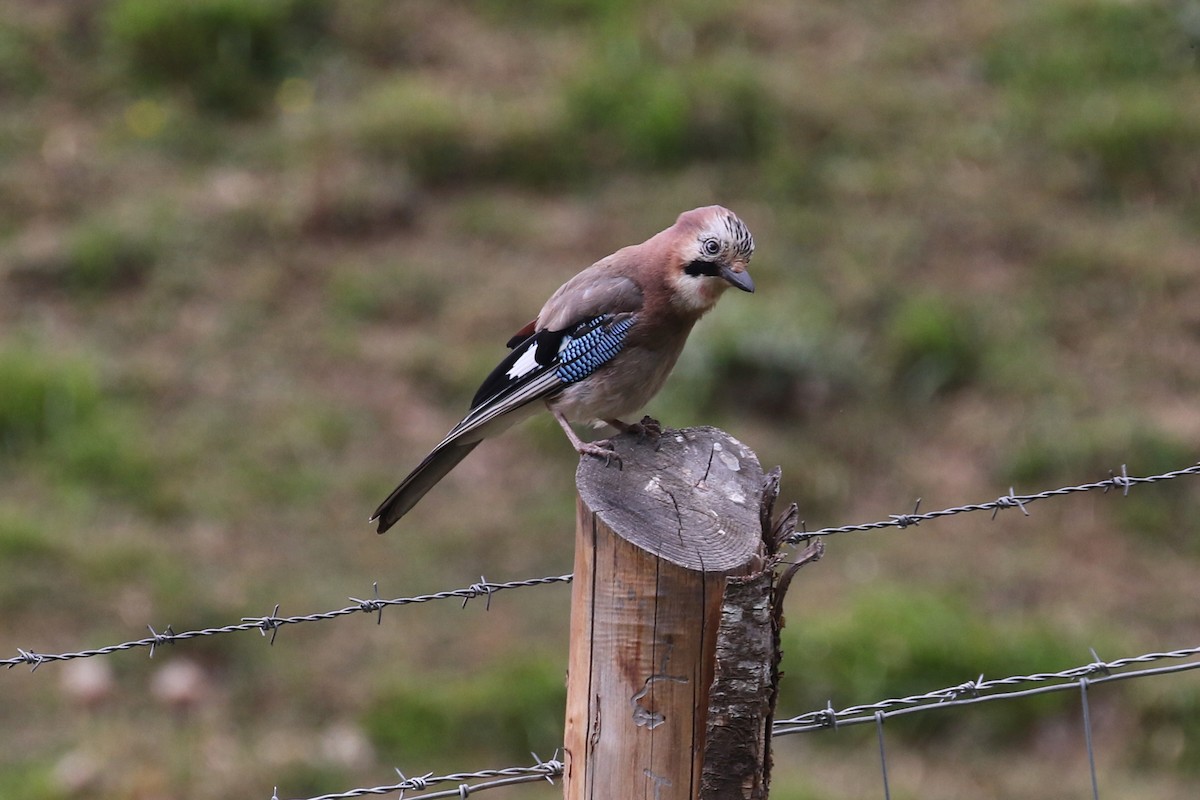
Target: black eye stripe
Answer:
pixel 702 267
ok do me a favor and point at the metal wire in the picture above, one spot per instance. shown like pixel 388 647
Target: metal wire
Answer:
pixel 976 691
pixel 1087 735
pixel 271 623
pixel 1010 500
pixel 540 771
pixel 887 789
pixel 981 691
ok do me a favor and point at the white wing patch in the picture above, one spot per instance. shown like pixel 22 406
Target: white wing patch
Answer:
pixel 525 364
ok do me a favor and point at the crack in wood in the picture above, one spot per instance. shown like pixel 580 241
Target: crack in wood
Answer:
pixel 712 451
pixel 678 515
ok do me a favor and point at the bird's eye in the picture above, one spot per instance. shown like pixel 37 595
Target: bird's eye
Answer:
pixel 711 247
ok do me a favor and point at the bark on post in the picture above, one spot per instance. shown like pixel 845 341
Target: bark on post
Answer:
pixel 737 749
pixel 656 540
pixel 741 707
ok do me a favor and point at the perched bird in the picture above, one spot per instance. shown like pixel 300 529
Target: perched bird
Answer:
pixel 601 346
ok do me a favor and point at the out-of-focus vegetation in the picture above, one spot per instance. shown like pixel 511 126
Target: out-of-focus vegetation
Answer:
pixel 255 258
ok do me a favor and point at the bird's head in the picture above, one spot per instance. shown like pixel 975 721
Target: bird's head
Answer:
pixel 712 249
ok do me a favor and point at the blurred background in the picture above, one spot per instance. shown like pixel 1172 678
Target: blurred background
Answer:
pixel 255 257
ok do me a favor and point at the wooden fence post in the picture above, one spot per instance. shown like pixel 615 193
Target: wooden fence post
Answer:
pixel 656 541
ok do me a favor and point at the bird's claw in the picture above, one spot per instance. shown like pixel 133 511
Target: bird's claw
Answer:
pixel 601 449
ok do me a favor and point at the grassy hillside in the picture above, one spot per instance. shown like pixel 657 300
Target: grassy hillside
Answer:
pixel 255 259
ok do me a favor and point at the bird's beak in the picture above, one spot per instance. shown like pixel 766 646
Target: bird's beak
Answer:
pixel 736 274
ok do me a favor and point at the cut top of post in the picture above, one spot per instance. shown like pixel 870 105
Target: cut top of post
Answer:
pixel 691 498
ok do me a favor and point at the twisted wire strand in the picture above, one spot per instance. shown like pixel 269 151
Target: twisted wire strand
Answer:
pixel 975 691
pixel 1122 481
pixel 540 771
pixel 980 690
pixel 270 624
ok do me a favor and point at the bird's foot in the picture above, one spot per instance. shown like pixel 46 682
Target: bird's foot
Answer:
pixel 601 449
pixel 648 430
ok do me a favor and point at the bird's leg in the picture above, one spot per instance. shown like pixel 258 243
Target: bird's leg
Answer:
pixel 649 429
pixel 601 449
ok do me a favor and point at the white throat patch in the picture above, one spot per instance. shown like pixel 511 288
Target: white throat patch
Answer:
pixel 697 293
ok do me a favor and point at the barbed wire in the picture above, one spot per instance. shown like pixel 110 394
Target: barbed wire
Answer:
pixel 981 691
pixel 539 771
pixel 1011 500
pixel 974 691
pixel 271 623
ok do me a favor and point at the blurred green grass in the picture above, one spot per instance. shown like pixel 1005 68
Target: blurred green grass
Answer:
pixel 254 259
pixel 228 56
pixel 510 709
pixel 1109 84
pixel 43 400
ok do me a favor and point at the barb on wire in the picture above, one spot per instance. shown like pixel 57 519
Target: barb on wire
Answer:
pixel 269 625
pixel 1010 500
pixel 489 779
pixel 980 691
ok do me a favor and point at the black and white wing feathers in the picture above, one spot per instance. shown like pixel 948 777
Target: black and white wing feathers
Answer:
pixel 543 364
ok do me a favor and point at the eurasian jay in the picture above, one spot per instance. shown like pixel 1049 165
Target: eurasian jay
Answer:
pixel 601 346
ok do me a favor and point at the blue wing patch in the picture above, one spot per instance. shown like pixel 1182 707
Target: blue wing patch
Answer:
pixel 548 360
pixel 581 355
pixel 541 366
